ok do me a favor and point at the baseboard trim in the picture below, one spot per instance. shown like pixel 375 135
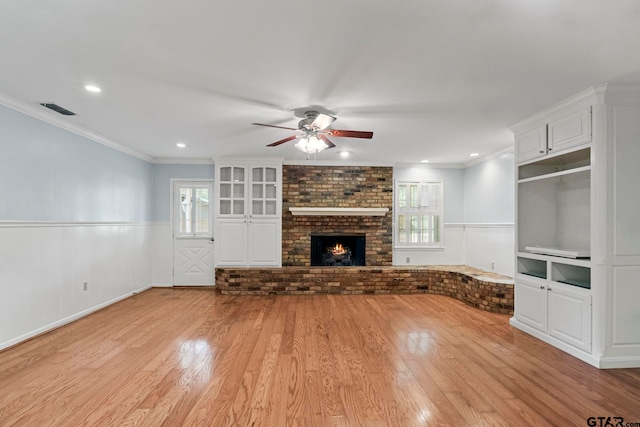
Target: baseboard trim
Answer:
pixel 48 328
pixel 577 353
pixel 619 362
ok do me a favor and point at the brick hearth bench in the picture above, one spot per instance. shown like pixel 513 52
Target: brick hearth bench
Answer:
pixel 481 289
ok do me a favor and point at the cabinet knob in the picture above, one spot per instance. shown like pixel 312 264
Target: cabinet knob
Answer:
pixel 541 287
pixel 541 151
pixel 549 289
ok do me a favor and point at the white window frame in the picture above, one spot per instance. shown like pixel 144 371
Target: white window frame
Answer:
pixel 426 209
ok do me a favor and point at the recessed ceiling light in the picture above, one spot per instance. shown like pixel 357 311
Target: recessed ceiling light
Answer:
pixel 181 145
pixel 474 154
pixel 93 88
pixel 424 161
pixel 344 154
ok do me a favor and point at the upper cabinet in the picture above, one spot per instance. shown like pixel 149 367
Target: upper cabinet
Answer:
pixel 248 215
pixel 232 188
pixel 249 191
pixel 265 184
pixel 557 132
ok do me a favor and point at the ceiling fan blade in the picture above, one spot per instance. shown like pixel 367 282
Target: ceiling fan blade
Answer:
pixel 322 121
pixel 282 141
pixel 273 126
pixel 350 133
pixel 326 141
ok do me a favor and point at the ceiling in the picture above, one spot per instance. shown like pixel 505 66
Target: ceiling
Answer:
pixel 433 80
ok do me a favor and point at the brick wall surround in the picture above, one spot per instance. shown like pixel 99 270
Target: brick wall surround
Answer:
pixel 336 187
pixel 484 290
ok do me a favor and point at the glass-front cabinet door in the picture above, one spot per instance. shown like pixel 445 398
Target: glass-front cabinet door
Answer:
pixel 264 190
pixel 232 190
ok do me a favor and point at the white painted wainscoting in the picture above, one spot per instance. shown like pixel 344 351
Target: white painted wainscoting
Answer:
pixel 487 246
pixel 490 247
pixel 43 267
pixel 161 255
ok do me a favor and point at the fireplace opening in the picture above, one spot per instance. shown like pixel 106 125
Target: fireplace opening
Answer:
pixel 337 250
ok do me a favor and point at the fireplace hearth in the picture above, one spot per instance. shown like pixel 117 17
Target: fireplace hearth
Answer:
pixel 338 250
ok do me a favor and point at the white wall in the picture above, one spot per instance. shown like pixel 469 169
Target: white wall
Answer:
pixel 45 264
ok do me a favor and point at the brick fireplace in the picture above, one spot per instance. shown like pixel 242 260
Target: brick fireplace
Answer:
pixel 336 187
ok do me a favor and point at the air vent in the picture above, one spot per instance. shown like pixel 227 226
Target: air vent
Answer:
pixel 58 109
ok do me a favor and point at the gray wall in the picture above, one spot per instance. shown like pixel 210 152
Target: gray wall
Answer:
pixel 482 193
pixel 162 184
pixel 453 181
pixel 51 174
pixel 489 191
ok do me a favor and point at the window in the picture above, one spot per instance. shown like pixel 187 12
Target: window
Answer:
pixel 419 212
pixel 193 210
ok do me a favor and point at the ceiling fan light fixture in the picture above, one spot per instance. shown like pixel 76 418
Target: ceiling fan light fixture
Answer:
pixel 311 144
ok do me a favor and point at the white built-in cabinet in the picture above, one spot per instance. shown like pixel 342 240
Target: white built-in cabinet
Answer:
pixel 248 213
pixel 577 281
pixel 569 129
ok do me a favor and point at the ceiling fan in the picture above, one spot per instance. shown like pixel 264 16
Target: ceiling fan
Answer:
pixel 313 133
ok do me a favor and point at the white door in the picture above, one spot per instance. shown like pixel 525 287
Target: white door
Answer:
pixel 193 255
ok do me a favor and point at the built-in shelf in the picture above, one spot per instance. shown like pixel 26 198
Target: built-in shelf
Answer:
pixel 564 253
pixel 562 270
pixel 573 275
pixel 557 165
pixel 532 267
pixel 339 211
pixel 555 174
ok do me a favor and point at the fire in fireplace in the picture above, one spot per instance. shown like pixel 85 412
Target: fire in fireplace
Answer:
pixel 337 250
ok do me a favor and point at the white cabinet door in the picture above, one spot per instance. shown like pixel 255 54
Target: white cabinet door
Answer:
pixel 531 144
pixel 531 304
pixel 264 242
pixel 231 242
pixel 570 130
pixel 570 316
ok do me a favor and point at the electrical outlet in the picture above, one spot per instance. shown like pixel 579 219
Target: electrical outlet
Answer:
pixel 85 286
pixel 493 265
pixel 408 260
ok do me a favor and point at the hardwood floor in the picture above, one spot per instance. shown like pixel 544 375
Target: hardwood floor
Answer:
pixel 182 357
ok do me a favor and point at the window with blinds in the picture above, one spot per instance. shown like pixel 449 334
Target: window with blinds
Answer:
pixel 418 214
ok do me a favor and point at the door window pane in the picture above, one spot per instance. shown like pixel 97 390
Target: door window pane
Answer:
pixel 186 200
pixel 201 210
pixel 193 209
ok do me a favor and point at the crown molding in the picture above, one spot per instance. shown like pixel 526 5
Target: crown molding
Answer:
pixel 589 96
pixel 497 154
pixel 39 113
pixel 429 165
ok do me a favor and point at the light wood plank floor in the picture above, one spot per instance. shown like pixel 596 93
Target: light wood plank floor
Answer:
pixel 182 357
